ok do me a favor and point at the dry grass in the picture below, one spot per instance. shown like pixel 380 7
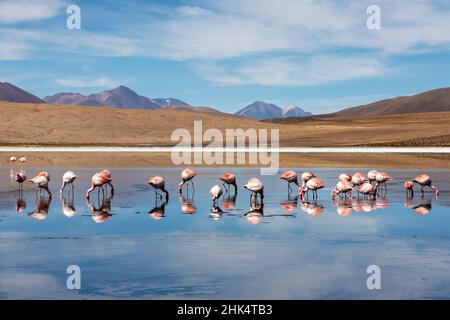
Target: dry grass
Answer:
pixel 43 124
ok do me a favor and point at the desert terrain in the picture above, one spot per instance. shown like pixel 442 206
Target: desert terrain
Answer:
pixel 59 125
pixel 28 124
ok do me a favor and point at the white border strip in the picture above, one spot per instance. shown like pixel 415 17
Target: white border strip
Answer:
pixel 206 149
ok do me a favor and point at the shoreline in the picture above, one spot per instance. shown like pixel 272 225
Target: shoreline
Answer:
pixel 153 159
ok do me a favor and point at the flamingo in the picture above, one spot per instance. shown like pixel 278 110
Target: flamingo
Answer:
pixel 408 185
pixel 45 175
pixel 23 159
pixel 229 179
pixel 12 159
pixel 425 181
pixel 371 175
pixel 187 175
pixel 68 179
pixel 20 179
pixel 41 182
pixel 358 178
pixel 346 177
pixel 305 177
pixel 255 186
pixel 158 183
pixel 312 184
pixel 382 178
pixel 342 188
pixel 98 180
pixel 368 189
pixel 290 177
pixel 216 192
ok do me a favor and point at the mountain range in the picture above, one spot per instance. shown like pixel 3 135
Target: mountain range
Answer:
pixel 430 101
pixel 264 110
pixel 122 97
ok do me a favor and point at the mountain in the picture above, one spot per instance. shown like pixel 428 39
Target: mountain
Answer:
pixel 188 108
pixel 11 93
pixel 121 97
pixel 293 111
pixel 165 102
pixel 260 110
pixel 264 110
pixel 429 101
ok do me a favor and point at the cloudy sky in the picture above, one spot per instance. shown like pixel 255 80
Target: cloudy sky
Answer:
pixel 319 54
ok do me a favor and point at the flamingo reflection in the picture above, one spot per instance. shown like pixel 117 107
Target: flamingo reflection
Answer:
pixel 290 204
pixel 256 213
pixel 68 207
pixel 312 208
pixel 187 204
pixel 159 210
pixel 42 207
pixel 215 212
pixel 20 203
pixel 101 211
pixel 229 201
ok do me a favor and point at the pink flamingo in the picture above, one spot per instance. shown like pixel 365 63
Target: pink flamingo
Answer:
pixel 158 183
pixel 312 184
pixel 229 179
pixel 23 159
pixel 68 179
pixel 372 175
pixel 408 185
pixel 100 179
pixel 41 182
pixel 216 192
pixel 425 181
pixel 382 178
pixel 305 177
pixel 255 186
pixel 12 159
pixel 290 177
pixel 187 175
pixel 20 179
pixel 358 178
pixel 345 176
pixel 343 187
pixel 368 190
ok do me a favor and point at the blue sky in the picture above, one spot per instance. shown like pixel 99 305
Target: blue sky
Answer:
pixel 318 55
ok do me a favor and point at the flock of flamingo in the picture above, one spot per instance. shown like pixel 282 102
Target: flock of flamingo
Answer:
pixel 366 186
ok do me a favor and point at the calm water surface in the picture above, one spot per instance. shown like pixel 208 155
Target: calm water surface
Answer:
pixel 132 246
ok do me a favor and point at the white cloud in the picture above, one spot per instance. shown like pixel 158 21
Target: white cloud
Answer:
pixel 87 82
pixel 16 11
pixel 293 71
pixel 192 11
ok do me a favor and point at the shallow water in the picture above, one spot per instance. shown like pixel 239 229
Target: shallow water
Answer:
pixel 294 251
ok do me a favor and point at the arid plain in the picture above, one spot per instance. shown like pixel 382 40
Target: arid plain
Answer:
pixel 23 124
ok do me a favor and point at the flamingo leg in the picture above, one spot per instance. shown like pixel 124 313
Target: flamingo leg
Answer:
pixel 63 187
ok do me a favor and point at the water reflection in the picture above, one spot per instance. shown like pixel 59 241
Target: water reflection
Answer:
pixel 101 211
pixel 42 207
pixel 289 204
pixel 215 212
pixel 187 204
pixel 229 201
pixel 313 208
pixel 21 204
pixel 159 210
pixel 256 213
pixel 423 208
pixel 68 204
